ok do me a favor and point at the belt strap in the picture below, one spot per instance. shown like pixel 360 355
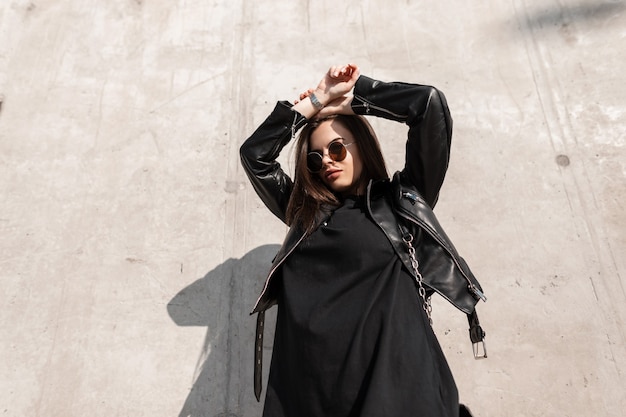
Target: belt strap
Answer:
pixel 258 355
pixel 477 336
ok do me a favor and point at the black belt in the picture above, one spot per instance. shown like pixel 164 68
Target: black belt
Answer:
pixel 258 354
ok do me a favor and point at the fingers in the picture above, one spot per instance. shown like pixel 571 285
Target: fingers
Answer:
pixel 304 95
pixel 343 71
pixel 355 71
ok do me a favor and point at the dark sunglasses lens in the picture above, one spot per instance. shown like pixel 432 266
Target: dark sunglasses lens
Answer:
pixel 314 162
pixel 337 151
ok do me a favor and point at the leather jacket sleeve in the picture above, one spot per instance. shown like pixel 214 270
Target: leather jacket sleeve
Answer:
pixel 260 151
pixel 424 109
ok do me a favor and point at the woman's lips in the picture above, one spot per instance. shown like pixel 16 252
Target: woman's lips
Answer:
pixel 332 174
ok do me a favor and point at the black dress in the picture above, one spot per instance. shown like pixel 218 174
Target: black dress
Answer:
pixel 351 336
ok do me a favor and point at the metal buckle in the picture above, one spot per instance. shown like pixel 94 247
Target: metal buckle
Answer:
pixel 476 349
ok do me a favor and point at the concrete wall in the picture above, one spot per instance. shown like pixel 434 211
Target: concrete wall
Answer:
pixel 132 247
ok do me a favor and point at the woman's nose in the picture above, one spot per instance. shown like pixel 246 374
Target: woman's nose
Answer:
pixel 326 159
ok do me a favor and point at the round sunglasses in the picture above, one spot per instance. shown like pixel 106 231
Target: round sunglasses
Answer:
pixel 336 151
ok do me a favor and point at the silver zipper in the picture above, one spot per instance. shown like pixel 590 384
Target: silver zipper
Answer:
pixel 369 106
pixel 269 275
pixel 478 292
pixel 410 196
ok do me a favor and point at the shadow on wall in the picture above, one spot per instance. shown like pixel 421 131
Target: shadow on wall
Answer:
pixel 557 15
pixel 221 301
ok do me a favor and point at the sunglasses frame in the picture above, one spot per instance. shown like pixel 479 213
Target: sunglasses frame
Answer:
pixel 341 156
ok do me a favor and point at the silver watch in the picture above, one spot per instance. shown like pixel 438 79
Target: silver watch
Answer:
pixel 316 103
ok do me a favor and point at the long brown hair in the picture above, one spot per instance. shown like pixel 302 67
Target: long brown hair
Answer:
pixel 309 193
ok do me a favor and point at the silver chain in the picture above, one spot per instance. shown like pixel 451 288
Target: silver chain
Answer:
pixel 428 308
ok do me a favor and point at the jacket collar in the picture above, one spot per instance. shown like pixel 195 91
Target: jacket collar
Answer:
pixel 377 189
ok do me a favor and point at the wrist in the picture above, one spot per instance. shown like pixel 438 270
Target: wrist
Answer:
pixel 322 97
pixel 316 102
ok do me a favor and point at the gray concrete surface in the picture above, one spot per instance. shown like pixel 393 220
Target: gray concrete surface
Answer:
pixel 132 248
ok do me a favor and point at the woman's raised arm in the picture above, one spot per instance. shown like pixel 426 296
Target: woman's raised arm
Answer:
pixel 425 111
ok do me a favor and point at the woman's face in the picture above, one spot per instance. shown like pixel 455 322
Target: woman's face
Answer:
pixel 340 176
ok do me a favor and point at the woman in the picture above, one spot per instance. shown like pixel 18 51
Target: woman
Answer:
pixel 352 336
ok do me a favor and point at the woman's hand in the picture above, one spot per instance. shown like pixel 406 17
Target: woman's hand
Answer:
pixel 332 92
pixel 337 82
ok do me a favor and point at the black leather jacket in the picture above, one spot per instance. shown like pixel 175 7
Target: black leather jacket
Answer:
pixel 409 196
